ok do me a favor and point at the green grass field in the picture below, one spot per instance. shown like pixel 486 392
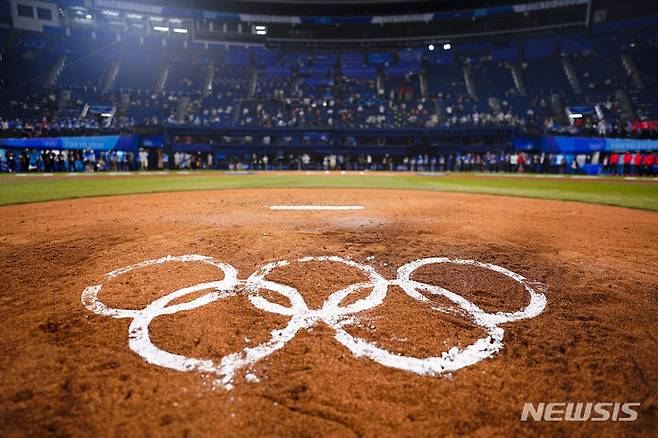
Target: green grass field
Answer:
pixel 15 189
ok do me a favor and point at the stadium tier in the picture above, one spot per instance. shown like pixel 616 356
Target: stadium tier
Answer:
pixel 165 82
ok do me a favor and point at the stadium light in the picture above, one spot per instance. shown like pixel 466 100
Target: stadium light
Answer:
pixel 431 47
pixel 134 16
pixel 261 32
pixel 447 46
pixel 161 28
pixel 110 13
pixel 260 28
pixel 180 30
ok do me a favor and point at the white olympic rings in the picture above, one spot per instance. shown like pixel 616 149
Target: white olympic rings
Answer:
pixel 302 317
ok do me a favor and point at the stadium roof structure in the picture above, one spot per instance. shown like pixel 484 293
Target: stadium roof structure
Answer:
pixel 334 7
pixel 385 23
pixel 340 24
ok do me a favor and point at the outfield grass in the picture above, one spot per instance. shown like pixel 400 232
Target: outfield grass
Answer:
pixel 610 191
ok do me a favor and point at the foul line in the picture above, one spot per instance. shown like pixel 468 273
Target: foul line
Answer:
pixel 316 207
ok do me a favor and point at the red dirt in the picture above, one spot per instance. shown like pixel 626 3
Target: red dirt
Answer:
pixel 68 371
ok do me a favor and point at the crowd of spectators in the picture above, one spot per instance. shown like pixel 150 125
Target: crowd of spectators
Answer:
pixel 353 102
pixel 329 100
pixel 626 164
pixel 342 103
pixel 630 164
pixel 87 160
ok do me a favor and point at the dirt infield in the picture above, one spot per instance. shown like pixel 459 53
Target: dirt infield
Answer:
pixel 69 371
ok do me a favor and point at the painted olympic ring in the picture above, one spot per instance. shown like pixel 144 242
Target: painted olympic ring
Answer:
pixel 302 317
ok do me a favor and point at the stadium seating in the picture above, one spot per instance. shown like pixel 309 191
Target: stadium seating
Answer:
pixel 472 84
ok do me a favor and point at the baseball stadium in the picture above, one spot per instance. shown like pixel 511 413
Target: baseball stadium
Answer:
pixel 301 218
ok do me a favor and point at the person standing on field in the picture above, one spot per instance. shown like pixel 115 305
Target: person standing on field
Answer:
pixel 143 160
pixel 627 160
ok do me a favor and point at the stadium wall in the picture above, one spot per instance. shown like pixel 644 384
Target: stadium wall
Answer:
pixel 548 144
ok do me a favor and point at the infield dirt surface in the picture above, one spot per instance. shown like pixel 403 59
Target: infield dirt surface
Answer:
pixel 68 371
